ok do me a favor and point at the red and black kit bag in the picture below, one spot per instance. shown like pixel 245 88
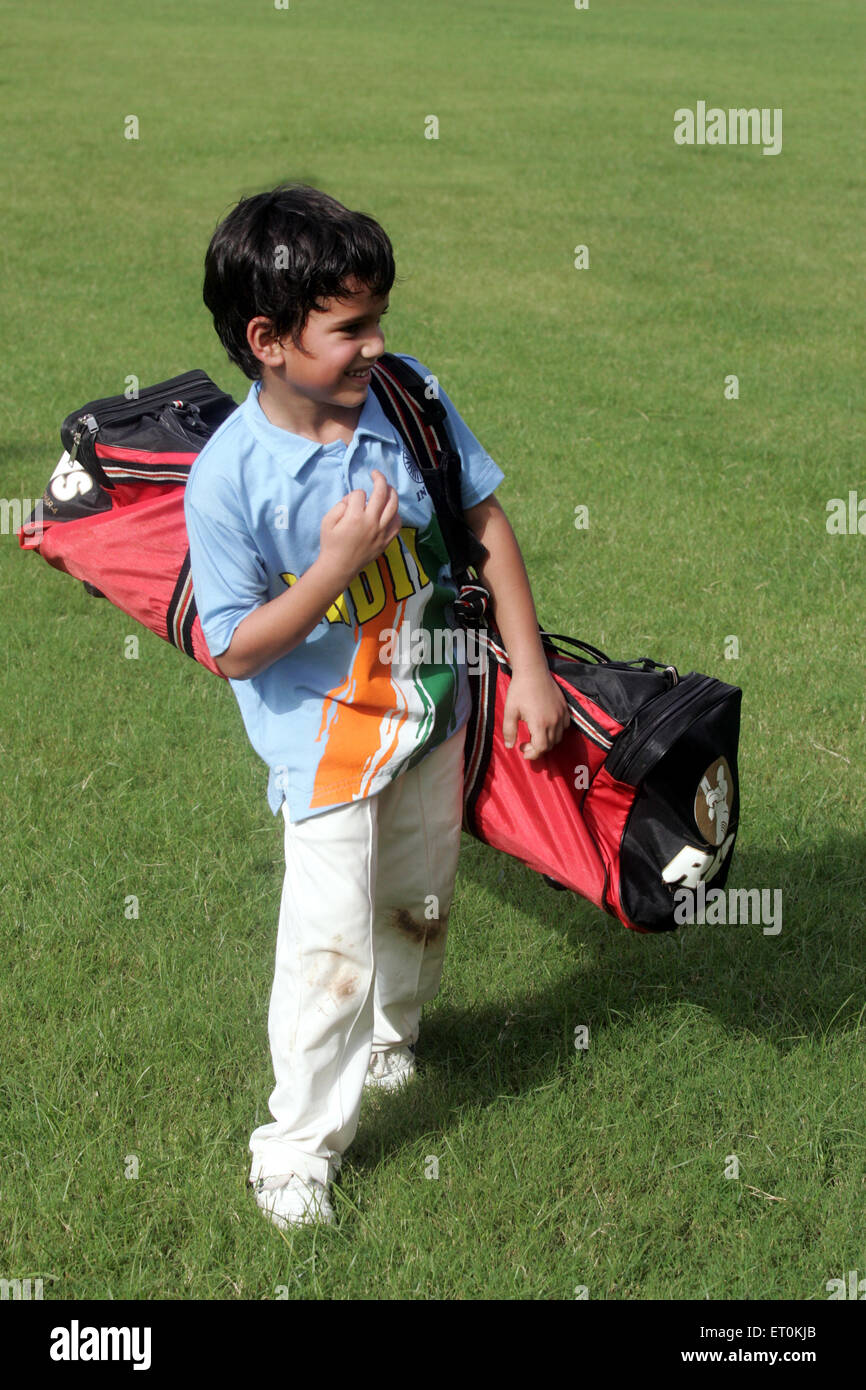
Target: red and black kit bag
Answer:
pixel 112 513
pixel 639 800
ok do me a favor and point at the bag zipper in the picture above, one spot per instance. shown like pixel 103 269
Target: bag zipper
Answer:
pixel 190 387
pixel 185 390
pixel 635 752
pixel 84 422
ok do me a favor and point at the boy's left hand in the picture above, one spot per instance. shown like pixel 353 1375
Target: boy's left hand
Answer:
pixel 534 697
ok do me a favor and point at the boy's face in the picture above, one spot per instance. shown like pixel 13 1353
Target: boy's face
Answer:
pixel 339 346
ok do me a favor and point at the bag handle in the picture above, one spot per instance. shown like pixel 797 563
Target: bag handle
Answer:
pixel 600 657
pixel 641 663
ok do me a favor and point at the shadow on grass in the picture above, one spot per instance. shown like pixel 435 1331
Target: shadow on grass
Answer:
pixel 806 982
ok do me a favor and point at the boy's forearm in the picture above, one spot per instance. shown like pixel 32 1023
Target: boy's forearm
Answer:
pixel 278 626
pixel 504 575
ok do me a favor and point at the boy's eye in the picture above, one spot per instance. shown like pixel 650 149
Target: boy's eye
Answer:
pixel 353 327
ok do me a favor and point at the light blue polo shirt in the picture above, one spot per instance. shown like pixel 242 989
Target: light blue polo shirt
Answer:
pixel 374 687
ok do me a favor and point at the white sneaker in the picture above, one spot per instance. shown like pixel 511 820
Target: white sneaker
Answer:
pixel 390 1068
pixel 289 1200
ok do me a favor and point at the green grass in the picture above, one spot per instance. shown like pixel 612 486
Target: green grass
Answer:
pixel 146 1035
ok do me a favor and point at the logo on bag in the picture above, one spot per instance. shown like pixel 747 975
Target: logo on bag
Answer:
pixel 713 801
pixel 69 480
pixel 691 866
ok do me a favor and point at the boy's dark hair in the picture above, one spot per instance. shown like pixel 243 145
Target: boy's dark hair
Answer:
pixel 280 254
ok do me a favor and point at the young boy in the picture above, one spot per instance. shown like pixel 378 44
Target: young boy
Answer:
pixel 311 537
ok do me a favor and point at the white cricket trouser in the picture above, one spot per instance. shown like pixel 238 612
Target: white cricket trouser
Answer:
pixel 360 947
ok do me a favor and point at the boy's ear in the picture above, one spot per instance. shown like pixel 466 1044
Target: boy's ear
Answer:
pixel 263 344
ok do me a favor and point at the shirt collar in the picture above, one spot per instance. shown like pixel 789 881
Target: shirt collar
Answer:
pixel 293 450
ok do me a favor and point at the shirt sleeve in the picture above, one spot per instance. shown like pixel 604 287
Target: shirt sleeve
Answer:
pixel 229 579
pixel 479 475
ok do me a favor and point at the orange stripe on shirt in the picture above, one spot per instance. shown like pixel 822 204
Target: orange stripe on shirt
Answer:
pixel 352 714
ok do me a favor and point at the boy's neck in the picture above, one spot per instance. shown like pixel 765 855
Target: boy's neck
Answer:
pixel 316 420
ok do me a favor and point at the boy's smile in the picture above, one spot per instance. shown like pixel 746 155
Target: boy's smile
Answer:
pixel 318 390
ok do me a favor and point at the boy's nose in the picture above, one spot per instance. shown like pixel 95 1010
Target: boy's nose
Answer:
pixel 375 345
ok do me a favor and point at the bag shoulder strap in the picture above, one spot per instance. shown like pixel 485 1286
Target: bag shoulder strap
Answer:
pixel 422 423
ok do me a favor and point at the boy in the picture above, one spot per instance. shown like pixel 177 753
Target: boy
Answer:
pixel 311 536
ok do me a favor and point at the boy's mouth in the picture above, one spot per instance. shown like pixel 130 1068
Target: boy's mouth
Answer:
pixel 362 375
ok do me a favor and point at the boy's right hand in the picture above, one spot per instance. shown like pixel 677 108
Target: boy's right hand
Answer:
pixel 356 531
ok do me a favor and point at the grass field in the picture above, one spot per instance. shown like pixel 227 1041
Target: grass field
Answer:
pixel 145 1039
